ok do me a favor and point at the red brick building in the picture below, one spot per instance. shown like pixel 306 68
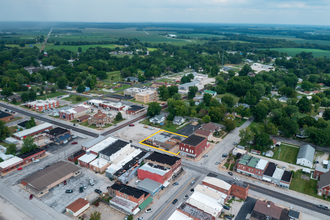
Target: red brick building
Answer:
pixel 128 192
pixel 240 190
pixel 74 157
pixel 193 146
pixel 10 164
pixel 32 155
pixel 319 170
pixel 86 159
pixel 135 109
pixel 323 185
pixel 154 172
pixel 172 162
pixel 112 105
pixel 6 117
pixel 42 105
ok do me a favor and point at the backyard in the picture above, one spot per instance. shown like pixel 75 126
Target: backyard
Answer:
pixel 76 99
pixel 287 154
pixel 236 98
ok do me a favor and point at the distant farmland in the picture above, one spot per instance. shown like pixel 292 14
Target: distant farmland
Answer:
pixel 294 51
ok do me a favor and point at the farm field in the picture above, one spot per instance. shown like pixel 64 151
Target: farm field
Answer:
pixel 294 51
pixel 83 47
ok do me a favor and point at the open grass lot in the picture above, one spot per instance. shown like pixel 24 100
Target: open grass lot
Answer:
pixel 253 124
pixel 236 98
pixel 83 47
pixel 294 51
pixel 51 95
pixel 124 86
pixel 239 122
pixel 168 125
pixel 288 154
pixel 76 99
pixel 116 76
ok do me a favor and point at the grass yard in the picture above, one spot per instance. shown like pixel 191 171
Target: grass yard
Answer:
pixel 116 76
pixel 253 124
pixel 239 122
pixel 51 95
pixel 124 86
pixel 294 51
pixel 303 186
pixel 75 99
pixel 165 80
pixel 236 98
pixel 288 154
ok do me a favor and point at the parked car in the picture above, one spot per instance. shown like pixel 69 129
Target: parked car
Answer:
pixel 148 210
pixel 217 163
pixel 174 201
pixel 85 187
pixel 226 207
pixel 20 168
pixel 316 162
pixel 141 218
pixel 98 191
pixel 64 182
pixel 192 183
pixel 131 125
pixel 224 155
pixel 235 178
pixel 75 142
pixel 81 189
pixel 175 184
pixel 192 190
pixel 230 173
pixel 186 197
pixel 137 182
pixel 69 191
pixel 31 196
pixel 205 155
pixel 228 217
pixel 322 207
pixel 91 181
pixel 235 143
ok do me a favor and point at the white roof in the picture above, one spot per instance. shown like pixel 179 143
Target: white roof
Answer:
pixel 179 216
pixel 306 170
pixel 217 182
pixel 6 156
pixel 99 162
pixel 87 158
pixel 127 156
pixel 325 162
pixel 198 204
pixel 103 144
pixel 32 130
pixel 41 102
pixel 148 167
pixel 95 101
pixel 261 164
pixel 207 200
pixel 210 192
pixel 278 173
pixel 10 162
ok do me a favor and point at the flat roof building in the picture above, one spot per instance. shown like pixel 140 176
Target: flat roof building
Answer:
pixel 6 117
pixel 99 165
pixel 165 160
pixel 193 146
pixel 154 172
pixel 91 143
pixel 33 131
pixel 150 186
pixel 10 164
pixel 102 145
pixel 195 213
pixel 86 159
pixel 114 150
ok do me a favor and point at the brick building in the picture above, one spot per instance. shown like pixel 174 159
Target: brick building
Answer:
pixel 118 106
pixel 32 155
pixel 192 212
pixel 319 170
pixel 155 172
pixel 42 105
pixel 10 164
pixel 6 117
pixel 135 109
pixel 268 210
pixel 33 131
pixel 74 113
pixel 323 185
pixel 193 146
pixel 252 166
pixel 204 133
pixel 74 157
pixel 59 135
pixel 100 119
pixel 147 96
pixel 86 159
pixel 172 162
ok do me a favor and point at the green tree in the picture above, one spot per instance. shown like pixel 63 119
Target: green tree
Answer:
pixel 262 141
pixel 4 131
pixel 78 81
pixel 6 91
pixel 95 216
pixel 307 86
pixel 206 119
pixel 62 82
pixel 192 92
pixel 246 135
pixel 173 90
pixel 229 124
pixel 161 91
pixel 14 101
pixel 229 100
pixel 217 113
pixel 38 77
pixel 288 126
pixel 177 96
pixel 119 116
pixel 20 79
pixel 25 97
pixel 81 88
pixel 154 109
pixel 185 79
pixel 27 125
pixel 32 95
pixel 304 105
pixel 260 111
pixel 326 114
pixel 130 217
pixel 11 149
pixel 245 70
pixel 53 90
pixel 79 49
pixel 102 75
pixel 270 128
pixel 28 145
pixel 207 98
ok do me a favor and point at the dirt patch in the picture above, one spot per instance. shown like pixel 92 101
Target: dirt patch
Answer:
pixel 304 177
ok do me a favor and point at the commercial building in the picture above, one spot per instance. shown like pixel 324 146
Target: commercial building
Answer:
pixel 115 150
pixel 101 145
pixel 91 143
pixel 179 215
pixel 118 106
pixel 100 119
pixel 193 146
pixel 42 105
pixel 33 131
pixel 172 162
pixel 252 166
pixel 78 207
pixel 135 109
pixel 128 199
pixel 131 92
pixel 192 213
pixel 32 155
pixel 268 210
pixel 41 182
pixel 155 172
pixel 205 202
pixel 165 140
pixel 59 135
pixel 203 133
pixel 6 117
pixel 86 159
pixel 99 165
pixel 147 96
pixel 185 87
pixel 306 155
pixel 74 157
pixel 10 164
pixel 74 113
pixel 286 179
pixel 149 186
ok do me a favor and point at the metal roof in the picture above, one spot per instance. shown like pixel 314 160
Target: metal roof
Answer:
pixel 10 162
pixel 306 151
pixel 87 158
pixel 94 141
pixel 278 173
pixel 149 185
pixel 32 130
pixel 103 144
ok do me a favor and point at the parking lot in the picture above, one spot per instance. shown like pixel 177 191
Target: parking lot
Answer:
pixel 58 199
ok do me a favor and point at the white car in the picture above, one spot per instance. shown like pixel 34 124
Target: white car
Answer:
pixel 236 178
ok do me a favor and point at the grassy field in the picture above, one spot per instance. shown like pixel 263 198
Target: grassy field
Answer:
pixel 124 86
pixel 116 75
pixel 288 154
pixel 303 186
pixel 83 47
pixel 236 98
pixel 294 51
pixel 76 99
pixel 51 95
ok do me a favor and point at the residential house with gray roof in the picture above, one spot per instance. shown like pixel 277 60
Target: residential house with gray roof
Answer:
pixel 306 155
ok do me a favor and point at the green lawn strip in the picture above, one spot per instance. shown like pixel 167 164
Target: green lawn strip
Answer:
pixel 232 167
pixel 236 98
pixel 253 124
pixel 4 144
pixel 226 165
pixel 124 86
pixel 51 95
pixel 288 154
pixel 15 119
pixel 239 122
pixel 73 99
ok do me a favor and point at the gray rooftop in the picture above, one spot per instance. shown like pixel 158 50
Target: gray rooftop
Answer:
pixel 94 141
pixel 190 84
pixel 149 185
pixel 306 151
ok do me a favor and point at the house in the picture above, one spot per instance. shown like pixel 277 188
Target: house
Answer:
pixel 269 153
pixel 321 111
pixel 323 185
pixel 147 96
pixel 157 119
pixel 211 127
pixel 59 135
pixel 100 119
pixel 78 207
pixel 42 105
pixel 213 93
pixel 5 117
pixel 83 118
pixel 131 79
pixel 242 104
pixel 268 210
pixel 32 131
pixel 283 99
pixel 178 120
pixel 16 97
pixel 135 109
pixel 319 170
pixel 203 133
pixel 40 182
pixel 306 155
pixel 193 146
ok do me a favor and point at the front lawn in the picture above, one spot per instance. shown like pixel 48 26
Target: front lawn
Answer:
pixel 239 122
pixel 288 153
pixel 76 99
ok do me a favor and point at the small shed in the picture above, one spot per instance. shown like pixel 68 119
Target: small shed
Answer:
pixel 269 153
pixel 77 207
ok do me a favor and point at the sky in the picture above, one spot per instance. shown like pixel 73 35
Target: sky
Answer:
pixel 308 12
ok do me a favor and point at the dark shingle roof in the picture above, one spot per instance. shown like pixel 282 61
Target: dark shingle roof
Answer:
pixel 193 140
pixel 23 156
pixel 135 108
pixel 114 147
pixel 57 131
pixel 130 163
pixel 22 124
pixel 270 169
pixel 4 114
pixel 286 176
pixel 294 214
pixel 163 158
pixel 324 180
pixel 128 190
pixel 78 153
